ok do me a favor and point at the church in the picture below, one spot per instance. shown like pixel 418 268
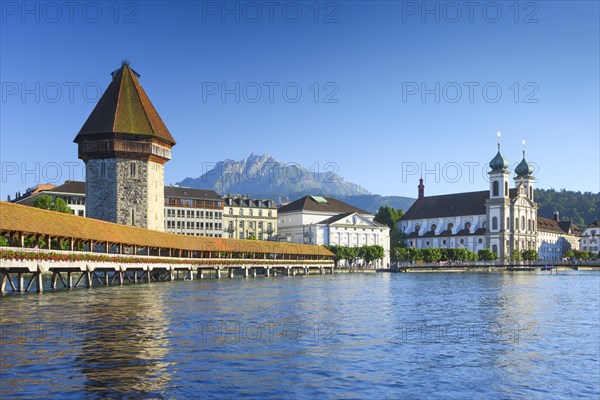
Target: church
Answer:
pixel 502 219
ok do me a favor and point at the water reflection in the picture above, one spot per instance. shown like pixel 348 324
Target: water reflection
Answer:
pixel 362 336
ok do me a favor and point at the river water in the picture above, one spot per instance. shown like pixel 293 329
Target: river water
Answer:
pixel 528 335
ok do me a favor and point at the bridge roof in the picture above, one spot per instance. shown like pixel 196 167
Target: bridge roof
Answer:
pixel 31 220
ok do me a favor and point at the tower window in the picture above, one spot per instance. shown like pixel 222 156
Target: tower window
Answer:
pixel 531 192
pixel 495 188
pixel 506 188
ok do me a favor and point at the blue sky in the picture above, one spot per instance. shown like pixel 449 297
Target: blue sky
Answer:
pixel 388 89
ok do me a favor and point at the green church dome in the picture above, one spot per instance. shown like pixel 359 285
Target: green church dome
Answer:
pixel 524 169
pixel 498 163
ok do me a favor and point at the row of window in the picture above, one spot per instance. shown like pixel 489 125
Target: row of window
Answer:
pixel 172 213
pixel 251 212
pixel 529 227
pixel 193 203
pixel 252 225
pixel 241 235
pixel 193 225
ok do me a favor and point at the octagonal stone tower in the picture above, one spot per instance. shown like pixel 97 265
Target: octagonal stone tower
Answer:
pixel 125 145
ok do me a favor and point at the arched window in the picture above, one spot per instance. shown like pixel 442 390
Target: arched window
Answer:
pixel 516 223
pixel 468 225
pixel 523 223
pixel 231 211
pixel 450 226
pixel 417 229
pixel 506 188
pixel 495 188
pixel 507 222
pixel 495 223
pixel 531 192
pixel 495 249
pixel 433 228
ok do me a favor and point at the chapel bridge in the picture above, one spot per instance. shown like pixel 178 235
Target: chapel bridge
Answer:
pixel 76 251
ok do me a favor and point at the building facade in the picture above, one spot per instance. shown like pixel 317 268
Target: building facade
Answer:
pixel 327 221
pixel 590 237
pixel 502 219
pixel 72 192
pixel 125 144
pixel 194 212
pixel 245 218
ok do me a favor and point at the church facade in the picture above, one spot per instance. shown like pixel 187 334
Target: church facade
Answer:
pixel 502 218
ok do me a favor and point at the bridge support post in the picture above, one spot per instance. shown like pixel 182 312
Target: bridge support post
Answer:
pixel 190 274
pixel 21 282
pixel 105 276
pixel 219 273
pixel 321 271
pixel 40 284
pixel 172 275
pixel 88 278
pixel 287 271
pixel 305 270
pixel 231 272
pixel 3 283
pixel 54 280
pixel 254 272
pixel 69 280
pixel 246 272
pixel 200 274
pixel 331 271
pixel 267 272
pixel 120 278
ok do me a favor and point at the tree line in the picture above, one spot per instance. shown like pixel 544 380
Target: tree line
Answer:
pixel 353 254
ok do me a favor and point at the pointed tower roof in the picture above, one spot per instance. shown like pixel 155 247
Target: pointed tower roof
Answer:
pixel 125 108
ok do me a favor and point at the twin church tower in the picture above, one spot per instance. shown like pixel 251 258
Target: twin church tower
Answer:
pixel 125 145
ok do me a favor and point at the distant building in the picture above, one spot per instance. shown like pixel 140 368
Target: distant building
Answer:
pixel 245 218
pixel 72 192
pixel 590 237
pixel 555 237
pixel 501 219
pixel 327 221
pixel 194 212
pixel 125 144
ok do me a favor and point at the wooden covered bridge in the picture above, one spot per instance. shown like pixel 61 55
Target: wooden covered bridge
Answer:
pixel 76 251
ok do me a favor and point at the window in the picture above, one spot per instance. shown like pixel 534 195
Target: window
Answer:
pixel 269 213
pixel 433 228
pixel 133 170
pixel 260 213
pixel 523 223
pixel 495 249
pixel 480 241
pixel 468 225
pixel 516 223
pixel 450 226
pixel 506 188
pixel 495 188
pixel 531 192
pixel 417 228
pixel 495 223
pixel 462 241
pixel 250 212
pixel 241 212
pixel 102 170
pixel 507 222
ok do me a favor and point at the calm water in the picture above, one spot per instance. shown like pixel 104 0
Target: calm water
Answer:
pixel 451 336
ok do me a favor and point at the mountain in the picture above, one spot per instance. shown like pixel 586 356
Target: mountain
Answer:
pixel 257 174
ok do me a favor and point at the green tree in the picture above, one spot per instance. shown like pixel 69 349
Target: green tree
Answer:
pixel 569 254
pixel 515 255
pixel 387 215
pixel 45 202
pixel 486 255
pixel 3 241
pixel 431 254
pixel 529 255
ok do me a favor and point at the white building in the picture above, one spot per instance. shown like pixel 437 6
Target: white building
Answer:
pixel 327 221
pixel 590 237
pixel 72 192
pixel 245 218
pixel 193 212
pixel 501 219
